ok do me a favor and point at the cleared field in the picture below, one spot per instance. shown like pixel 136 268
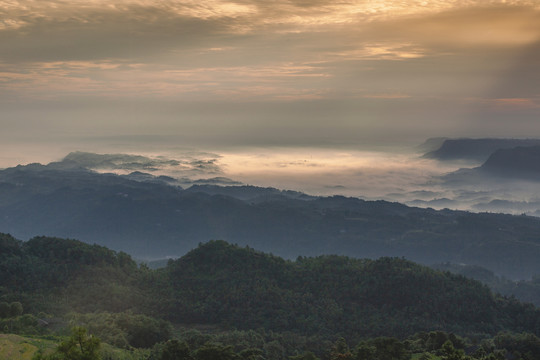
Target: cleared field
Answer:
pixel 15 347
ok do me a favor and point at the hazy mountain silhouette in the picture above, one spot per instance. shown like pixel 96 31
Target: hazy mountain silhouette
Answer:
pixel 521 163
pixel 475 149
pixel 153 219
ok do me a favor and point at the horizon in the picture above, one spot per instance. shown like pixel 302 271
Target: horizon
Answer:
pixel 223 75
pixel 404 176
pixel 323 97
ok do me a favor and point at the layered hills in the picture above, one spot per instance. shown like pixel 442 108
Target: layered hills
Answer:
pixel 152 218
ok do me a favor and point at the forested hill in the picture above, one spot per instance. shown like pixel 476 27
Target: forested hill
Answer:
pixel 334 294
pixel 228 286
pixel 155 219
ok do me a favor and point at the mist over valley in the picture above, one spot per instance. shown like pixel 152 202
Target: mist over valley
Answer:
pixel 361 204
pixel 254 180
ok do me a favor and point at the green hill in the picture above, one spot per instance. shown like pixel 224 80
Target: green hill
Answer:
pixel 61 275
pixel 244 288
pixel 225 285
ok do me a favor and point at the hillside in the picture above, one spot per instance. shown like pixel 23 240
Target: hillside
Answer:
pixel 477 150
pixel 151 219
pixel 60 275
pixel 524 290
pixel 333 295
pixel 229 286
pixel 519 162
pixel 505 167
pixel 14 347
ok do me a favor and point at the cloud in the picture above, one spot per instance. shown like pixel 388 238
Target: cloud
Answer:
pixel 191 164
pixel 119 161
pixel 268 72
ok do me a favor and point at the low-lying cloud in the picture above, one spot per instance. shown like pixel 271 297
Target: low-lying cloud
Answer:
pixel 190 165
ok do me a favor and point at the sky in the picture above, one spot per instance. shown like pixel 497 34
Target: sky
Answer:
pixel 269 73
pixel 266 84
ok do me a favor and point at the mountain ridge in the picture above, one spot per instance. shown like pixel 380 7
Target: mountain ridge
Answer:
pixel 156 219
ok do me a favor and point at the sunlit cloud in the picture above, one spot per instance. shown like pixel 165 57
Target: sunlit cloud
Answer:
pixel 508 104
pixel 387 96
pixel 334 69
pixel 518 102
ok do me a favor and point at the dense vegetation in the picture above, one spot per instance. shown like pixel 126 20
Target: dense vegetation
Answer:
pixel 226 285
pixel 153 218
pixel 222 301
pixel 524 290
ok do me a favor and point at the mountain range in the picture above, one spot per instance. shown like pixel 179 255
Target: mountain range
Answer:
pixel 150 218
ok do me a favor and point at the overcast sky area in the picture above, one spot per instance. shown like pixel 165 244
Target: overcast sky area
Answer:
pixel 214 75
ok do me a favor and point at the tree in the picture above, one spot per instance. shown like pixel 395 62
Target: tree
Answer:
pixel 449 352
pixel 5 310
pixel 390 348
pixel 176 350
pixel 79 346
pixel 251 354
pixel 308 355
pixel 341 351
pixel 15 309
pixel 365 351
pixel 215 352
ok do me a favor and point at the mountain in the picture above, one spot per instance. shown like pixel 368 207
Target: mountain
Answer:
pixel 152 219
pixel 504 166
pixel 477 150
pixel 249 193
pixel 226 285
pixel 519 162
pixel 431 144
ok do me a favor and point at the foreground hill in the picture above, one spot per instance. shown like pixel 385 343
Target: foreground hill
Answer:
pixel 524 290
pixel 14 347
pixel 228 286
pixel 333 294
pixel 155 219
pixel 60 275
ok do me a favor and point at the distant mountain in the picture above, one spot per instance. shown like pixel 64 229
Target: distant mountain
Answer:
pixel 431 144
pixel 477 150
pixel 230 286
pixel 249 193
pixel 519 162
pixel 152 219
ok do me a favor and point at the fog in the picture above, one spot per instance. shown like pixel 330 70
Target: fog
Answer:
pixel 392 173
